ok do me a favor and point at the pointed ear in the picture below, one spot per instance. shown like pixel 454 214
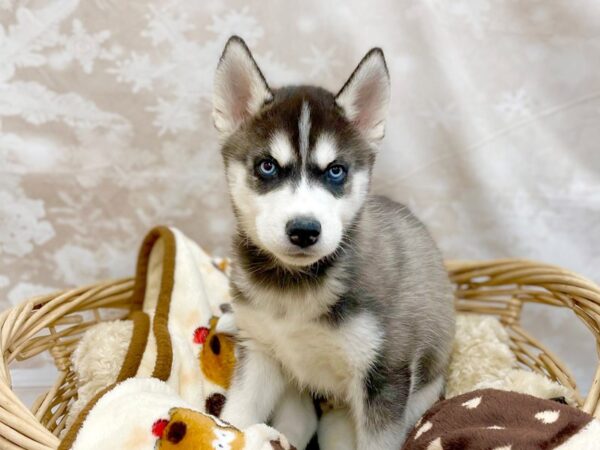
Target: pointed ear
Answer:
pixel 365 96
pixel 240 88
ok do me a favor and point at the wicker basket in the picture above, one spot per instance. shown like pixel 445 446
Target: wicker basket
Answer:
pixel 54 323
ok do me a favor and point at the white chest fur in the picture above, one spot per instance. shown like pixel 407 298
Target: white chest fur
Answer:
pixel 318 356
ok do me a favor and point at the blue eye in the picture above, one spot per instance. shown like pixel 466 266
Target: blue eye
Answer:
pixel 267 168
pixel 336 173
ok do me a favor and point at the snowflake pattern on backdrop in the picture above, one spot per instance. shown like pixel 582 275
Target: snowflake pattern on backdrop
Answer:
pixel 105 126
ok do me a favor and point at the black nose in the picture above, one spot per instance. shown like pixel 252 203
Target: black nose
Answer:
pixel 303 231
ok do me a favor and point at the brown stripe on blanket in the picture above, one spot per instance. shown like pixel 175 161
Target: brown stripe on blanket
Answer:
pixel 493 419
pixel 164 351
pixel 141 326
pixel 135 350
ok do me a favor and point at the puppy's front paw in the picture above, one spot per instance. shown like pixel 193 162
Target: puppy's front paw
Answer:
pixel 236 417
pixel 278 445
pixel 263 437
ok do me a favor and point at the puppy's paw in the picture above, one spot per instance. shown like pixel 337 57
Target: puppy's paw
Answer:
pixel 263 437
pixel 278 445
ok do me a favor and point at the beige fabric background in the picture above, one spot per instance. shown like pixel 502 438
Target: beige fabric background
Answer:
pixel 105 128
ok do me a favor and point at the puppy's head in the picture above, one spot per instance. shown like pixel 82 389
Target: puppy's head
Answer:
pixel 298 158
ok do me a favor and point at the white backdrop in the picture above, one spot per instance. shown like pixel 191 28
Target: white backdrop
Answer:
pixel 105 130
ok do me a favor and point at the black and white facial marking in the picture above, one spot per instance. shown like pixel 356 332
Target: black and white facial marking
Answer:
pixel 298 158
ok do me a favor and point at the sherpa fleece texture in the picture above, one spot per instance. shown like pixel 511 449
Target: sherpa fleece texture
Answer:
pixel 97 361
pixel 481 358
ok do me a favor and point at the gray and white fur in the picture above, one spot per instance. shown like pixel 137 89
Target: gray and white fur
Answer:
pixel 336 292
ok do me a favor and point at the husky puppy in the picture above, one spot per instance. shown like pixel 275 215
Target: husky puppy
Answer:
pixel 336 292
